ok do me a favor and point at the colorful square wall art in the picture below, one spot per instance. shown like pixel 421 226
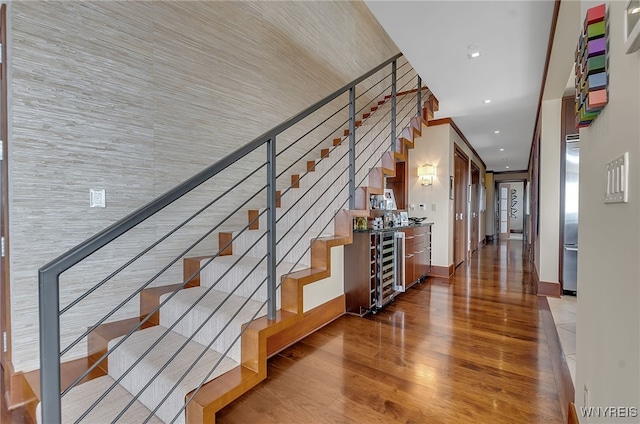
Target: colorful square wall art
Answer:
pixel 591 66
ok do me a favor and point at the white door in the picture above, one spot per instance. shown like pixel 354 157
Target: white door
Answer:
pixel 505 189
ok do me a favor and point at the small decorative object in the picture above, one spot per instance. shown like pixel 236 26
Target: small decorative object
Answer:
pixel 426 174
pixel 404 218
pixel 390 199
pixel 591 66
pixel 451 187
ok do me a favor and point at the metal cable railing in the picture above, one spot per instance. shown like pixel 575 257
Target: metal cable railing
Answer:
pixel 248 279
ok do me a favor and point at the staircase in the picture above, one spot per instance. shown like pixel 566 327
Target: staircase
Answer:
pixel 202 343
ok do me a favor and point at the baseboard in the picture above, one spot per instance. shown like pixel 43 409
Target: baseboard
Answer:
pixel 312 320
pixel 483 242
pixel 564 384
pixel 573 414
pixel 546 288
pixel 441 271
pixel 19 393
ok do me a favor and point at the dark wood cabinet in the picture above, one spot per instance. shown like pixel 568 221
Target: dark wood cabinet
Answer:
pixel 409 257
pixel 418 257
pixel 360 273
pixel 370 266
pixel 422 255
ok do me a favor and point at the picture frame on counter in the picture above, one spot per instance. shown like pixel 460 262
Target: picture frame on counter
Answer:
pixel 390 199
pixel 404 218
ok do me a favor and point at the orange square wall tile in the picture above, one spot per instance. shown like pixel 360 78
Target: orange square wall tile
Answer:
pixel 597 99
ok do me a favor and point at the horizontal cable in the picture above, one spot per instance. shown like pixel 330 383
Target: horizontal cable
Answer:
pixel 76 254
pixel 337 162
pixel 307 211
pixel 325 138
pixel 157 242
pixel 319 233
pixel 304 174
pixel 311 130
pixel 369 89
pixel 157 308
pixel 224 354
pixel 186 342
pixel 310 150
pixel 163 335
pixel 208 347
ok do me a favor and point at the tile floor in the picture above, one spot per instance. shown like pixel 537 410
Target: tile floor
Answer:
pixel 564 315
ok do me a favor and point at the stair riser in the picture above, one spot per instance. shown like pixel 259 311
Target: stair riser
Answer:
pixel 228 339
pixel 128 353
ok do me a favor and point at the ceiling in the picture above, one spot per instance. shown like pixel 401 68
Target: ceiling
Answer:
pixel 512 37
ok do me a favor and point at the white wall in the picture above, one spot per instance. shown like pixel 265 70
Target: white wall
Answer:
pixel 548 239
pixel 135 97
pixel 433 147
pixel 608 321
pixel 315 294
pixel 436 146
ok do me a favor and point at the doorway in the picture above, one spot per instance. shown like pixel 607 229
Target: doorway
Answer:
pixel 461 243
pixel 475 210
pixel 504 220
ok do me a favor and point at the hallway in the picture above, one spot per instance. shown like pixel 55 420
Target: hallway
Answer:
pixel 473 350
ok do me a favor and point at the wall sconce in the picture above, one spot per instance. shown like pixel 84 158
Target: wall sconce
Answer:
pixel 426 174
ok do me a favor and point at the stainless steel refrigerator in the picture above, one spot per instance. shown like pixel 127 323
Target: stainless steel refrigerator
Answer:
pixel 571 201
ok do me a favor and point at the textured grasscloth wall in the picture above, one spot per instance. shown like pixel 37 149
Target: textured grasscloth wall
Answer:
pixel 135 97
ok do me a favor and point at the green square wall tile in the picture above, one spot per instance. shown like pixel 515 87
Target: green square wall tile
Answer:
pixel 596 64
pixel 596 30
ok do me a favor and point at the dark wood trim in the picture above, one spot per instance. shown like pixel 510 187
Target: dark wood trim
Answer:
pixel 573 414
pixel 5 262
pixel 450 121
pixel 546 288
pixel 564 384
pixel 441 271
pixel 311 321
pixel 552 34
pixel 524 171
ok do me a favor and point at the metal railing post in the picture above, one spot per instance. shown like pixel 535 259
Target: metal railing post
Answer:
pixel 394 74
pixel 48 288
pixel 271 228
pixel 419 96
pixel 352 147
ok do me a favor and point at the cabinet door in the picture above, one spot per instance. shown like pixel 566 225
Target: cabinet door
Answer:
pixel 409 264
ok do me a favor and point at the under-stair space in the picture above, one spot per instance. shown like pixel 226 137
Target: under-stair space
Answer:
pixel 201 342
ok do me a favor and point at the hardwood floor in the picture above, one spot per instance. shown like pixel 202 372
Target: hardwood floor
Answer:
pixel 472 349
pixel 469 350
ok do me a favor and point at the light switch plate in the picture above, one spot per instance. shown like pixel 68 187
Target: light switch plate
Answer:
pixel 97 198
pixel 617 180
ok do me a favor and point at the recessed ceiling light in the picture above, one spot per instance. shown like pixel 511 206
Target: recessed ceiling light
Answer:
pixel 496 132
pixel 634 10
pixel 502 150
pixel 474 55
pixel 487 101
pixel 507 166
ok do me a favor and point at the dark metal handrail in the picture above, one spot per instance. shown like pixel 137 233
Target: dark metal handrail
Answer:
pixel 49 274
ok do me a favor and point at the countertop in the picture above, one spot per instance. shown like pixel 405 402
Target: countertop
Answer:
pixel 421 224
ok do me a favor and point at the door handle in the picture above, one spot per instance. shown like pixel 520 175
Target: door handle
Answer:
pixel 571 249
